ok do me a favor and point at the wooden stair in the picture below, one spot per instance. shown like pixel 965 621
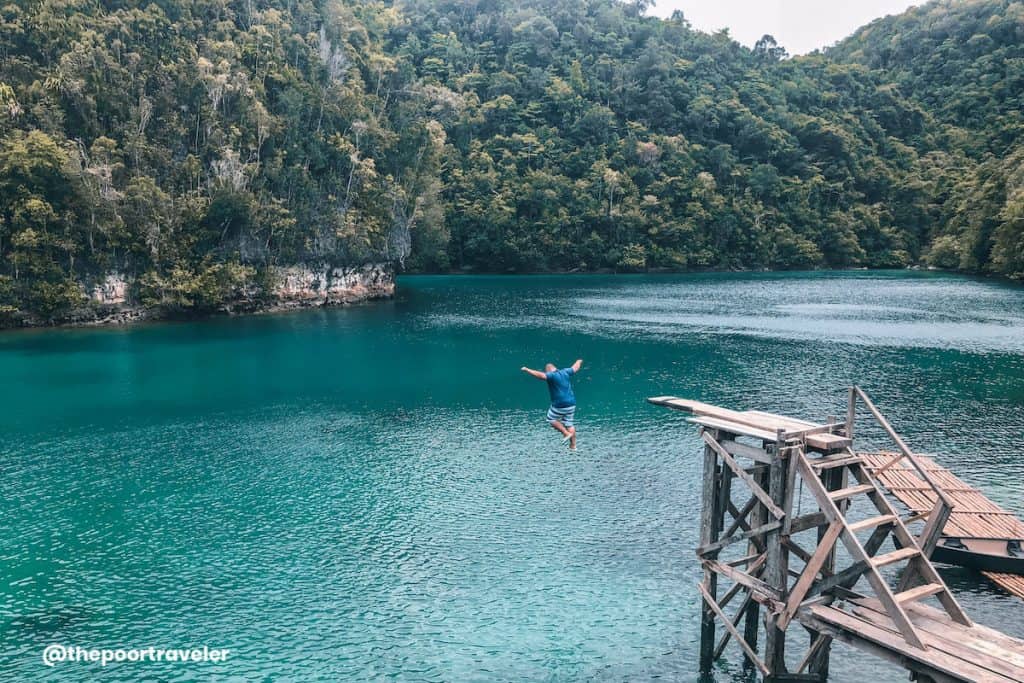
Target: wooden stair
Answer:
pixel 835 503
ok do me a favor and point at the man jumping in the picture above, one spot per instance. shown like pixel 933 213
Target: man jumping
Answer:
pixel 563 400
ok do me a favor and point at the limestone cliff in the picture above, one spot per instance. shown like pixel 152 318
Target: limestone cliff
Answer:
pixel 110 300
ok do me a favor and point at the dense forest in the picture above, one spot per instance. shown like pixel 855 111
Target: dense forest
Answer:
pixel 193 145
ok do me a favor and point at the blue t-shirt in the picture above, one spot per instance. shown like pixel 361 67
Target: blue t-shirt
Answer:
pixel 560 388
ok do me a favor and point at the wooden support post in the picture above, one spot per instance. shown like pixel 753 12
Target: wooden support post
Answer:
pixel 708 535
pixel 851 412
pixel 758 516
pixel 821 646
pixel 776 573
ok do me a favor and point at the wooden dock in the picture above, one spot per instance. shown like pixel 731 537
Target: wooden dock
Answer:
pixel 772 564
pixel 973 515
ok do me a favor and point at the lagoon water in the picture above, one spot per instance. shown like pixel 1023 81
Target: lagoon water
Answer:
pixel 372 493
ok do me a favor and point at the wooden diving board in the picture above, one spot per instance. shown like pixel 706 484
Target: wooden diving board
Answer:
pixel 756 423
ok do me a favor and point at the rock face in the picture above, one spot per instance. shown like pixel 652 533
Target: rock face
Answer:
pixel 111 291
pixel 109 299
pixel 325 285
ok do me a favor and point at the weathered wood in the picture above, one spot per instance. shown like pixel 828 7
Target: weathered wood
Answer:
pixel 789 490
pixel 949 640
pixel 752 624
pixel 863 634
pixel 851 491
pixel 851 412
pixel 776 569
pixel 708 535
pixel 907 453
pixel 712 548
pixel 767 523
pixel 731 427
pixel 826 501
pixel 809 521
pixel 739 516
pixel 742 474
pixel 720 648
pixel 744 578
pixel 709 600
pixel 764 422
pixel 810 573
pixel 819 642
pixel 742 450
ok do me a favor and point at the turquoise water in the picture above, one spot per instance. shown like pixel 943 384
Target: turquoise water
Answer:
pixel 372 493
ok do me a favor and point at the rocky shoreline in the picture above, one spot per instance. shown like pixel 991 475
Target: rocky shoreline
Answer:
pixel 297 286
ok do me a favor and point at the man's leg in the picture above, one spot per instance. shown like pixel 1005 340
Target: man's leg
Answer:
pixel 572 438
pixel 560 427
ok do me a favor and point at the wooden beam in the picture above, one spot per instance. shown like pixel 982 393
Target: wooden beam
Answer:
pixel 739 516
pixel 851 412
pixel 742 450
pixel 708 535
pixel 904 448
pixel 752 582
pixel 751 655
pixel 819 641
pixel 809 521
pixel 776 572
pixel 762 496
pixel 712 548
pixel 735 622
pixel 810 573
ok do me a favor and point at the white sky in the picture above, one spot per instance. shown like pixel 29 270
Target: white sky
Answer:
pixel 800 26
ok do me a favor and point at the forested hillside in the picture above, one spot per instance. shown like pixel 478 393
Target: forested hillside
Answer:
pixel 191 144
pixel 964 63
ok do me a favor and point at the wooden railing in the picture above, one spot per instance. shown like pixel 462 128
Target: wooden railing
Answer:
pixel 939 515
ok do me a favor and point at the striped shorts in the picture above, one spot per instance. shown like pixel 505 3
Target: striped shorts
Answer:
pixel 563 415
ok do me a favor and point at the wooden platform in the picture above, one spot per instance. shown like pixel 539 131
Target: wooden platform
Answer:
pixel 953 651
pixel 973 514
pixel 755 423
pixel 770 563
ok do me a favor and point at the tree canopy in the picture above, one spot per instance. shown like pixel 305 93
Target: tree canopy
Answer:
pixel 194 144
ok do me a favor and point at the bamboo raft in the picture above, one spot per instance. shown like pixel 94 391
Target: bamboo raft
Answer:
pixel 973 515
pixel 773 564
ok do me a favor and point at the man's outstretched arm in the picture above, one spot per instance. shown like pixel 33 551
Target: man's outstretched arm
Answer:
pixel 577 365
pixel 536 373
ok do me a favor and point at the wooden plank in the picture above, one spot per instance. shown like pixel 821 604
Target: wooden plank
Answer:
pixel 776 571
pixel 820 641
pixel 752 582
pixel 715 546
pixel 742 474
pixel 855 631
pixel 739 516
pixel 894 557
pixel 850 491
pixel 872 522
pixel 951 641
pixel 751 655
pixel 857 551
pixel 809 521
pixel 776 421
pixel 720 648
pixel 923 591
pixel 979 637
pixel 743 450
pixel 732 427
pixel 810 572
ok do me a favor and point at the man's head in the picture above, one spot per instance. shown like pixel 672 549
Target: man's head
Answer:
pixel 550 367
